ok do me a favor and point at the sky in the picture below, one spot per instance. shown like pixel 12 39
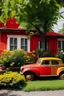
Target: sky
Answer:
pixel 59 23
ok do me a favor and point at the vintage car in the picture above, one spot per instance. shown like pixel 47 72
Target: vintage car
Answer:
pixel 48 66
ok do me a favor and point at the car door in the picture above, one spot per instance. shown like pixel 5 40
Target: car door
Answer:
pixel 54 66
pixel 45 68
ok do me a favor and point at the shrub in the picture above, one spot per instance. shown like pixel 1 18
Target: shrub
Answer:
pixel 15 58
pixel 31 56
pixel 42 53
pixel 48 54
pixel 60 54
pixel 39 52
pixel 12 79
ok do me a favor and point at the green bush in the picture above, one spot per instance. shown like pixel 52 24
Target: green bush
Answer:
pixel 15 58
pixel 31 56
pixel 12 79
pixel 42 53
pixel 60 54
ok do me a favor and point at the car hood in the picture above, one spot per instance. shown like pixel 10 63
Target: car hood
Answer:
pixel 30 65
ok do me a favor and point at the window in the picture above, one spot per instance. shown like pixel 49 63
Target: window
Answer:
pixel 24 42
pixel 46 45
pixel 15 42
pixel 55 62
pixel 45 62
pixel 61 44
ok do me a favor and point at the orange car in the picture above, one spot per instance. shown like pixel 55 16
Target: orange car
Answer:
pixel 48 66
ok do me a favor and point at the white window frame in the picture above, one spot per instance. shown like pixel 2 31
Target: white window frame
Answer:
pixel 61 43
pixel 18 41
pixel 39 45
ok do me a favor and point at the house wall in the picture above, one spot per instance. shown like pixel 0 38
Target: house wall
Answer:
pixel 4 37
pixel 33 41
pixel 52 41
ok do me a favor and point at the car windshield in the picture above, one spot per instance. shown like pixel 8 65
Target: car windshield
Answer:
pixel 39 61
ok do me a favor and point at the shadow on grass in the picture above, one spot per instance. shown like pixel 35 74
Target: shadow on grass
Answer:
pixel 48 78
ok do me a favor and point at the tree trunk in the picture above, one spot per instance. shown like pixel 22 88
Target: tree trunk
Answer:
pixel 42 34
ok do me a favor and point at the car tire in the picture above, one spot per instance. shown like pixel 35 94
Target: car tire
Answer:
pixel 61 76
pixel 29 76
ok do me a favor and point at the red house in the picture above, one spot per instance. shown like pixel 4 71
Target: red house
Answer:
pixel 12 37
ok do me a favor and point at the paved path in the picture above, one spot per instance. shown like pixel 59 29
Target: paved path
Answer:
pixel 34 93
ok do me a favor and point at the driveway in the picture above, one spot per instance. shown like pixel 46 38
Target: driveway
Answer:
pixel 34 93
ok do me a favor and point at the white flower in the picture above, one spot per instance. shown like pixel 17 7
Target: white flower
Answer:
pixel 61 51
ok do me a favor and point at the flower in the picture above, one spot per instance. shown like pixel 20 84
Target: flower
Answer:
pixel 7 69
pixel 1 61
pixel 12 64
pixel 61 51
pixel 33 51
pixel 4 59
pixel 32 33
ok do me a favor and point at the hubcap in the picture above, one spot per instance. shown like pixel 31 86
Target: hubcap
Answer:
pixel 62 76
pixel 29 77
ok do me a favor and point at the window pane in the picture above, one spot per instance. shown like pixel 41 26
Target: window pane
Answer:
pixel 46 45
pixel 13 44
pixel 45 62
pixel 15 47
pixel 22 41
pixel 63 45
pixel 15 41
pixel 24 44
pixel 22 47
pixel 25 48
pixel 55 62
pixel 11 48
pixel 25 41
pixel 11 41
pixel 59 44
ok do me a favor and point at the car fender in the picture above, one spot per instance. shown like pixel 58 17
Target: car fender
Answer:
pixel 35 71
pixel 61 69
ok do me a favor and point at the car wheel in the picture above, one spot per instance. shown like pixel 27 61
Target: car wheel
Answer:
pixel 29 76
pixel 62 76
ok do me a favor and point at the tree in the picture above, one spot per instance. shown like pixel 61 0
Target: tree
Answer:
pixel 41 14
pixel 62 29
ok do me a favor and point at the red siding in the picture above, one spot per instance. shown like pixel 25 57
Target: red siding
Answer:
pixel 34 42
pixel 3 39
pixel 52 41
pixel 52 44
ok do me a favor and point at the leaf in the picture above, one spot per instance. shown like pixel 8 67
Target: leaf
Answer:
pixel 13 13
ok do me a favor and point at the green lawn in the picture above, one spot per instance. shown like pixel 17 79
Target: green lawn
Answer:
pixel 44 85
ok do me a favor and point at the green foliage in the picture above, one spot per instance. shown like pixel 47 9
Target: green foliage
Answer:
pixel 60 54
pixel 15 58
pixel 62 29
pixel 40 14
pixel 12 79
pixel 42 53
pixel 31 57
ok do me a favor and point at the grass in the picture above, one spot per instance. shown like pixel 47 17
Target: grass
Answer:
pixel 44 85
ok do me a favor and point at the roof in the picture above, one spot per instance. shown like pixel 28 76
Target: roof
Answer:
pixel 54 34
pixel 50 58
pixel 48 34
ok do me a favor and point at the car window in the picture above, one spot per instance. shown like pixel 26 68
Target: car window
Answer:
pixel 38 61
pixel 45 62
pixel 55 62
